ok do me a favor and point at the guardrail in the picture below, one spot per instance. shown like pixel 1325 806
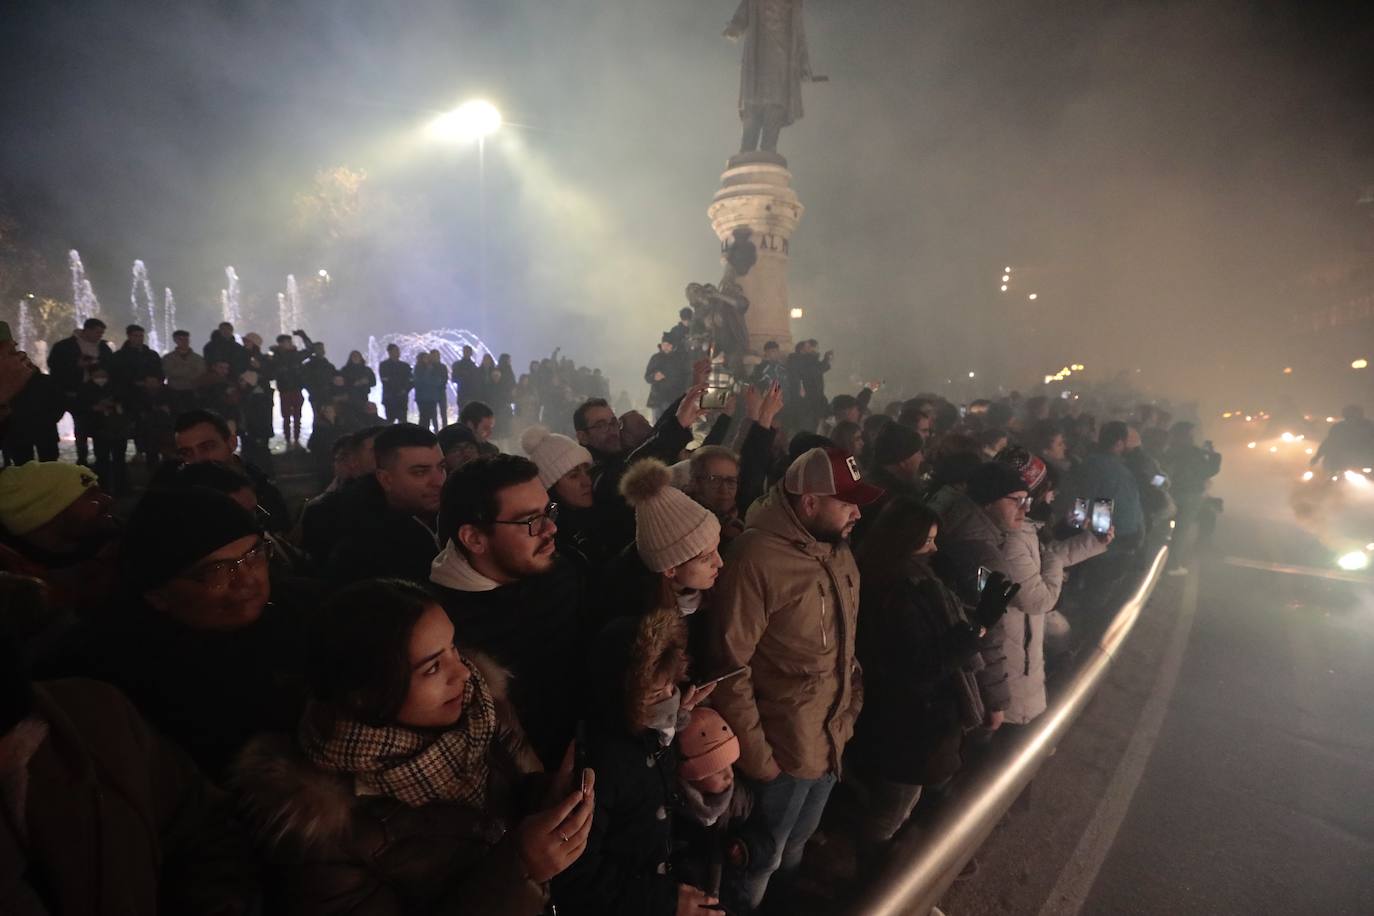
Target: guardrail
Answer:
pixel 926 865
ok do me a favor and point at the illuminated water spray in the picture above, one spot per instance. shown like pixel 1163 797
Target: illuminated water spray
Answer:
pixel 294 306
pixel 169 315
pixel 448 341
pixel 83 297
pixel 24 336
pixel 229 298
pixel 143 301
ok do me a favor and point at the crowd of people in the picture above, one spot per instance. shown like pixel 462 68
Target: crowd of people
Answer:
pixel 619 671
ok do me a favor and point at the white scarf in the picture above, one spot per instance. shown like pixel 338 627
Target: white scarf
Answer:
pixel 452 570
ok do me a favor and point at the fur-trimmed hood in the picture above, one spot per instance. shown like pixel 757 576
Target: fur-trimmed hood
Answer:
pixel 291 802
pixel 629 657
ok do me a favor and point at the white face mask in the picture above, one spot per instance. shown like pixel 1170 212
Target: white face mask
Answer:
pixel 662 717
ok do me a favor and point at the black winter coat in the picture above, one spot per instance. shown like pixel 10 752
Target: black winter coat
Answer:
pixel 912 641
pixel 533 628
pixel 397 379
pixel 376 540
pixel 64 364
pixel 625 869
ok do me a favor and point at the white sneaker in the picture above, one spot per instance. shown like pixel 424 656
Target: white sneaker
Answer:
pixel 1177 571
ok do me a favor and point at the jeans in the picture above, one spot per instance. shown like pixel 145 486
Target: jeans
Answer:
pixel 787 811
pixel 887 808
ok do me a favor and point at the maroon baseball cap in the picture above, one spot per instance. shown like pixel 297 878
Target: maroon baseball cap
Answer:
pixel 829 472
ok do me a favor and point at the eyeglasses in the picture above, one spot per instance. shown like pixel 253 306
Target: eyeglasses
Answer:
pixel 722 481
pixel 1023 501
pixel 603 425
pixel 536 524
pixel 220 573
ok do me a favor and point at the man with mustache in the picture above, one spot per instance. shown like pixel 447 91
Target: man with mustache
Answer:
pixel 508 593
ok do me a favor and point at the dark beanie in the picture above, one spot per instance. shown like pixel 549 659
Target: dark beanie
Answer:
pixel 170 530
pixel 993 480
pixel 896 443
pixel 458 434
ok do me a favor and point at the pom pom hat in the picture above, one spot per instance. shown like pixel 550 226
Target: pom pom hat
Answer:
pixel 670 527
pixel 554 454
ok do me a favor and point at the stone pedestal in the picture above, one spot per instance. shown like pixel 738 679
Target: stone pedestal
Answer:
pixel 756 192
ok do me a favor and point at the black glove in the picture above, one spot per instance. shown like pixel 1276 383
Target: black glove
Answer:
pixel 992 604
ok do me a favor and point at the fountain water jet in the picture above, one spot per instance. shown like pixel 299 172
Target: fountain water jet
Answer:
pixel 83 297
pixel 294 309
pixel 169 314
pixel 229 298
pixel 141 299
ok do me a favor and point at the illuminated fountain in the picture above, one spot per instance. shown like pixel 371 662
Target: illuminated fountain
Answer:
pixel 169 314
pixel 229 299
pixel 142 300
pixel 83 297
pixel 24 334
pixel 448 341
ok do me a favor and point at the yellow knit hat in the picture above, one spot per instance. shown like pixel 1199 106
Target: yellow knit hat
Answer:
pixel 33 494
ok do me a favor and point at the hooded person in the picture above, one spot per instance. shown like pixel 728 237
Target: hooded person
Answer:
pixel 194 638
pixel 100 814
pixel 408 786
pixel 634 711
pixel 55 525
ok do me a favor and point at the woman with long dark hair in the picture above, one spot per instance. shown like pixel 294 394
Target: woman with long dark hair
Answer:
pixel 918 648
pixel 400 792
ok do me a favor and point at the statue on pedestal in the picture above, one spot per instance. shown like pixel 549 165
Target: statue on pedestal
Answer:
pixel 774 64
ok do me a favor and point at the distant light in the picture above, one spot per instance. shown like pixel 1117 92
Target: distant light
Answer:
pixel 1355 479
pixel 1273 448
pixel 1248 418
pixel 472 120
pixel 1368 470
pixel 1006 278
pixel 1006 270
pixel 1252 445
pixel 797 313
pixel 1172 524
pixel 1360 364
pixel 324 273
pixel 1287 437
pixel 1287 370
pixel 1004 287
pixel 1369 546
pixel 1331 419
pixel 1309 451
pixel 1033 296
pixel 971 374
pixel 1354 561
pixel 1226 415
pixel 1306 476
pixel 1077 367
pixel 1050 378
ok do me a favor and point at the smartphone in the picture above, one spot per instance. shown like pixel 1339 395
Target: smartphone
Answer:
pixel 1102 515
pixel 724 677
pixel 1078 516
pixel 983 574
pixel 714 398
pixel 1158 480
pixel 580 754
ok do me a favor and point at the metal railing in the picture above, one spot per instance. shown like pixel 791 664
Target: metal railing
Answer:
pixel 925 866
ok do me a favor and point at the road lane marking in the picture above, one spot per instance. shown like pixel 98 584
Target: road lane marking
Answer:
pixel 1076 881
pixel 1315 572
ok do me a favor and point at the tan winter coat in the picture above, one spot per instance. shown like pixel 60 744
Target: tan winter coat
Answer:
pixel 787 607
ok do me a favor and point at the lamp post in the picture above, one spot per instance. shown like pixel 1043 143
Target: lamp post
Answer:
pixel 475 119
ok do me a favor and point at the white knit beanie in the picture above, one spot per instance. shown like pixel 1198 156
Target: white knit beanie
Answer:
pixel 670 527
pixel 554 454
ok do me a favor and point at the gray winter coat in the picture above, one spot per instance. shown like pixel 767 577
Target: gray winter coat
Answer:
pixel 1039 570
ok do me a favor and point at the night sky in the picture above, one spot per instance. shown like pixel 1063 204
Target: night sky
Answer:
pixel 1167 176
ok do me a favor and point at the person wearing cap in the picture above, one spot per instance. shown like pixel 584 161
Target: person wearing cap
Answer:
pixel 195 636
pixel 663 375
pixel 499 577
pixel 786 608
pixel 1037 565
pixel 57 527
pixel 387 519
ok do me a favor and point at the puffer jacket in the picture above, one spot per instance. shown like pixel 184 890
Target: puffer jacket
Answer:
pixel 786 606
pixel 1039 570
pixel 331 851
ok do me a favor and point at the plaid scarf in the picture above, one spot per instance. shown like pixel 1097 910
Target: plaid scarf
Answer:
pixel 413 766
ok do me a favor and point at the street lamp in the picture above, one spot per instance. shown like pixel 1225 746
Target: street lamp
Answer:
pixel 475 119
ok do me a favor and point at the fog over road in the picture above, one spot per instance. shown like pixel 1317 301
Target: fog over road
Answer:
pixel 1228 762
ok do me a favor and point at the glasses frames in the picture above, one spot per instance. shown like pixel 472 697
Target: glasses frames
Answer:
pixel 221 573
pixel 535 524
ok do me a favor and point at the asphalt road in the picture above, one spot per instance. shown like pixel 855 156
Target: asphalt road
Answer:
pixel 1227 765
